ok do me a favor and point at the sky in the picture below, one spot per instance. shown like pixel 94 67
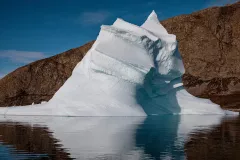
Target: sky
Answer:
pixel 34 29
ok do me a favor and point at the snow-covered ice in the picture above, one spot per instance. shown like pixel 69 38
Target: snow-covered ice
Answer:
pixel 129 71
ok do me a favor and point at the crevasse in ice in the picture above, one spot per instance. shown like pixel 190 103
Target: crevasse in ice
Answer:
pixel 129 71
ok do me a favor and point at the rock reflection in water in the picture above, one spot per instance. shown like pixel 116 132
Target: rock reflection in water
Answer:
pixel 221 142
pixel 85 137
pixel 30 142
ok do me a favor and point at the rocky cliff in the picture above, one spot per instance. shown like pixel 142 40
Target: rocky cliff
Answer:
pixel 209 42
pixel 39 80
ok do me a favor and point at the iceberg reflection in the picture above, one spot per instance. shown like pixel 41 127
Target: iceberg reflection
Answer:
pixel 154 137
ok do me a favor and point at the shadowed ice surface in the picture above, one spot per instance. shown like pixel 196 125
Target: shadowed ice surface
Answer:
pixel 154 137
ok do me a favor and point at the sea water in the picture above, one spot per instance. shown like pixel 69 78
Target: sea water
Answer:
pixel 119 138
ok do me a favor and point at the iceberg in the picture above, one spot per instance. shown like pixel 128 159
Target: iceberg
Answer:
pixel 129 71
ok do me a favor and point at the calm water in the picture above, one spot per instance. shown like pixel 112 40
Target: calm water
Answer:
pixel 157 137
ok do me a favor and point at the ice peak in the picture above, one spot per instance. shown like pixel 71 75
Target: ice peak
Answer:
pixel 153 16
pixel 152 24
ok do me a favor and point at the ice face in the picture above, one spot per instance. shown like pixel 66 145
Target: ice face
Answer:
pixel 169 60
pixel 129 71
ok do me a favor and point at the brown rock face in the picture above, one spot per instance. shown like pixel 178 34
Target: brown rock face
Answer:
pixel 39 80
pixel 209 42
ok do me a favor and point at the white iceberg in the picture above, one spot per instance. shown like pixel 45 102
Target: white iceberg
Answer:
pixel 129 71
